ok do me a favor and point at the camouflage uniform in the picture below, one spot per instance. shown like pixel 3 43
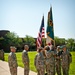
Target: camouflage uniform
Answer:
pixel 47 62
pixel 12 61
pixel 58 64
pixel 39 63
pixel 25 59
pixel 51 66
pixel 65 62
pixel 2 54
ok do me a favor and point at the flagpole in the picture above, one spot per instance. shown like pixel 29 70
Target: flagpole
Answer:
pixel 44 41
pixel 44 33
pixel 54 43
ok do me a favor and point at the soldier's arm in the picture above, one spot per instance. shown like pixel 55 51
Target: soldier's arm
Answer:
pixel 15 62
pixel 70 57
pixel 35 60
pixel 24 57
pixel 10 61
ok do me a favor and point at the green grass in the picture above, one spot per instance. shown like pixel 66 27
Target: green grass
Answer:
pixel 32 55
pixel 72 66
pixel 19 59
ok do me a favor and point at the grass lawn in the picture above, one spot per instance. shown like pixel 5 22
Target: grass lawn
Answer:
pixel 72 66
pixel 19 59
pixel 32 55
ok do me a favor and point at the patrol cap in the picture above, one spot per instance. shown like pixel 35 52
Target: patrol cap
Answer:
pixel 63 46
pixel 58 46
pixel 26 46
pixel 40 48
pixel 12 47
pixel 47 48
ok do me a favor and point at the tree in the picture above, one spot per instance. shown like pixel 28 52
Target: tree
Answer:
pixel 30 41
pixel 70 44
pixel 59 41
pixel 12 38
pixel 56 40
pixel 1 42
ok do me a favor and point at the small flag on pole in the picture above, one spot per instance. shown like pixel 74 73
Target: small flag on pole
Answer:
pixel 41 34
pixel 50 30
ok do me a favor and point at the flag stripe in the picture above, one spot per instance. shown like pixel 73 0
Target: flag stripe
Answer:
pixel 41 34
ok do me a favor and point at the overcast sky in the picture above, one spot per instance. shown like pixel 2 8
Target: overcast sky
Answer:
pixel 24 16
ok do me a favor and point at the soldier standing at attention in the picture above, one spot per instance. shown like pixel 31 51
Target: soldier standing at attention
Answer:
pixel 12 61
pixel 58 61
pixel 39 62
pixel 25 59
pixel 65 60
pixel 2 54
pixel 50 60
pixel 47 59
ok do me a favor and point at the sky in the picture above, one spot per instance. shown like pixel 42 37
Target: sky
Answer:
pixel 24 16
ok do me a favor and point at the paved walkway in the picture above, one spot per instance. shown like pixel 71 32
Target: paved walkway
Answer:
pixel 4 69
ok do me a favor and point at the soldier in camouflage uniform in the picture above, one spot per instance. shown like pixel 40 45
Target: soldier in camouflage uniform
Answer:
pixel 2 54
pixel 25 59
pixel 65 60
pixel 47 59
pixel 51 59
pixel 58 61
pixel 39 62
pixel 12 61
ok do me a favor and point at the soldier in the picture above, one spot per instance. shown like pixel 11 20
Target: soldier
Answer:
pixel 47 59
pixel 2 54
pixel 12 61
pixel 25 59
pixel 39 62
pixel 58 61
pixel 51 59
pixel 65 60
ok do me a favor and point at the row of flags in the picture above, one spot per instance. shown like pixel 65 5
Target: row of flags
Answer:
pixel 49 31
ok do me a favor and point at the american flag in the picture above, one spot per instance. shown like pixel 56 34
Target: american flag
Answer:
pixel 41 34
